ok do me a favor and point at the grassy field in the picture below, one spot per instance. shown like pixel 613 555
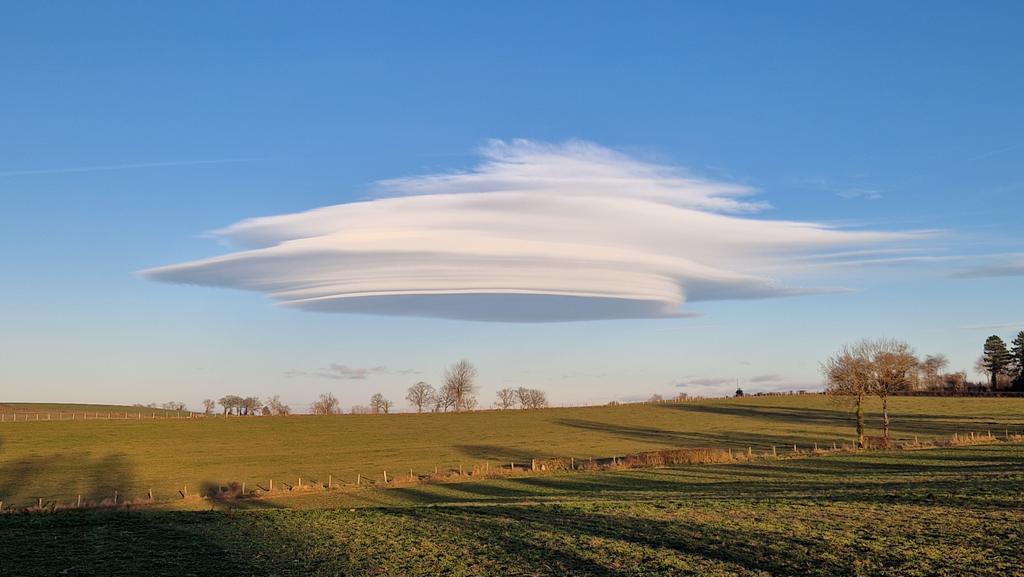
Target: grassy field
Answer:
pixel 60 460
pixel 952 512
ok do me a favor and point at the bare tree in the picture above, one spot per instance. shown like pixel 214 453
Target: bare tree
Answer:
pixel 361 410
pixel 656 398
pixel 208 406
pixel 277 407
pixel 849 374
pixel 538 399
pixel 895 367
pixel 174 406
pixel 379 405
pixel 460 382
pixel 251 405
pixel 421 395
pixel 506 399
pixel 523 396
pixel 326 404
pixel 443 400
pixel 931 370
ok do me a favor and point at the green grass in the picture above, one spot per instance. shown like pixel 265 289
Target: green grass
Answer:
pixel 60 460
pixel 948 512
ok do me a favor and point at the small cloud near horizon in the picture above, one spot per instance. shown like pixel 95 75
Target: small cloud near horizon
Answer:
pixel 340 371
pixel 765 379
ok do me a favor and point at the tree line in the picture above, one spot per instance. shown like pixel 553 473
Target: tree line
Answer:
pixel 458 392
pixel 886 367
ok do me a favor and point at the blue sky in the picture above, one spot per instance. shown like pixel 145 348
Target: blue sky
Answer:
pixel 130 131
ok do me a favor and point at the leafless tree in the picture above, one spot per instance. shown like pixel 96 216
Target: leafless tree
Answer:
pixel 443 400
pixel 895 367
pixel 850 374
pixel 251 405
pixel 531 398
pixel 174 406
pixel 538 399
pixel 277 407
pixel 656 398
pixel 421 395
pixel 360 410
pixel 931 370
pixel 506 399
pixel 326 404
pixel 523 396
pixel 379 405
pixel 208 406
pixel 460 382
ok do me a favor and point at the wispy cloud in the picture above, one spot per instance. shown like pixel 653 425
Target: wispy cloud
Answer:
pixel 340 371
pixel 536 232
pixel 995 327
pixel 765 379
pixel 994 266
pixel 862 193
pixel 707 382
pixel 108 167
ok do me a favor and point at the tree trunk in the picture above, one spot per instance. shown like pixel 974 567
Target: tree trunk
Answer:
pixel 885 418
pixel 860 421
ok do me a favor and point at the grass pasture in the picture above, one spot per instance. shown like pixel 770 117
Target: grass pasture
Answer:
pixel 60 460
pixel 957 511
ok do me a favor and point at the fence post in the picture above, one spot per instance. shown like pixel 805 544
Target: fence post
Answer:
pixel 150 495
pixel 774 452
pixel 79 501
pixel 330 479
pixel 386 474
pixel 359 479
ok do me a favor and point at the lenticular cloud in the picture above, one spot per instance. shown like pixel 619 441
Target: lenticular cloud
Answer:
pixel 535 233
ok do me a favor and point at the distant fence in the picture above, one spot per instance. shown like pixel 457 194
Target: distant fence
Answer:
pixel 24 416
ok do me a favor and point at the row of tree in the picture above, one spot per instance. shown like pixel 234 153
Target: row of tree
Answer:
pixel 886 367
pixel 236 405
pixel 457 393
pixel 521 397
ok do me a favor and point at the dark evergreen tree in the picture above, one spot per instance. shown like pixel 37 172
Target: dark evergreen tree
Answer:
pixel 1017 360
pixel 996 358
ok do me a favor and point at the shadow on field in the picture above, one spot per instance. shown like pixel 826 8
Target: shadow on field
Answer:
pixel 98 478
pixel 759 440
pixel 503 455
pixel 786 517
pixel 913 424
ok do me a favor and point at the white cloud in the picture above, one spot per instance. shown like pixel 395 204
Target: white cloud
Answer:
pixel 537 232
